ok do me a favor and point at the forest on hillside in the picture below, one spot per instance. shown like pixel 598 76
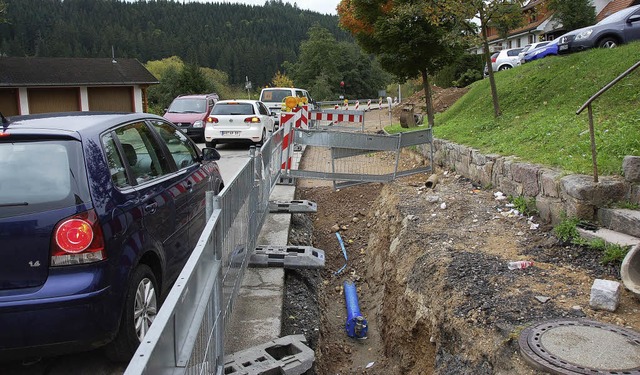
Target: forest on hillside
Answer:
pixel 241 40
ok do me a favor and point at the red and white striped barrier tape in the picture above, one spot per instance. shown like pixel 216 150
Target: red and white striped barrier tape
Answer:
pixel 369 105
pixel 335 117
pixel 357 105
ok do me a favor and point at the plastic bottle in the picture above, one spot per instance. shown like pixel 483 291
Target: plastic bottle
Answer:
pixel 519 264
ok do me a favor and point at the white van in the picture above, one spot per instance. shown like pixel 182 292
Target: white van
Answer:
pixel 272 97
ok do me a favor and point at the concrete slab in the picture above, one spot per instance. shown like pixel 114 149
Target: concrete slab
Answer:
pixel 257 314
pixel 609 236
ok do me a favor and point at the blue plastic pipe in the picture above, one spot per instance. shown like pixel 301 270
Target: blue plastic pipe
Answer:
pixel 356 325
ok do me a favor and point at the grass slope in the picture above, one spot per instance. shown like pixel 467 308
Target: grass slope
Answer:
pixel 539 101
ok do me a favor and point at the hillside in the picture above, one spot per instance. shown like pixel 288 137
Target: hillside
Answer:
pixel 241 40
pixel 539 101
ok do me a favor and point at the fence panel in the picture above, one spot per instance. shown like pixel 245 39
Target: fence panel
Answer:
pixel 349 158
pixel 187 336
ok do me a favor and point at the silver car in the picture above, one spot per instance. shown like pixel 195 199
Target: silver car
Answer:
pixel 504 59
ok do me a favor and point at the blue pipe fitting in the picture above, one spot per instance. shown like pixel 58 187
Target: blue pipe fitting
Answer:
pixel 356 325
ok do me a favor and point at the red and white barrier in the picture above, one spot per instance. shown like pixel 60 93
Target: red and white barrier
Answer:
pixel 297 118
pixel 357 105
pixel 369 105
pixel 336 117
pixel 337 106
pixel 287 121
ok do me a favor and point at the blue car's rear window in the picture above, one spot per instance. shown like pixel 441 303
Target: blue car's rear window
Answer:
pixel 40 176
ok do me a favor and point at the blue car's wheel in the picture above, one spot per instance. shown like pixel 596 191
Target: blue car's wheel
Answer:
pixel 140 309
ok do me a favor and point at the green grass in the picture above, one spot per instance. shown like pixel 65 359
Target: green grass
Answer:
pixel 567 232
pixel 539 101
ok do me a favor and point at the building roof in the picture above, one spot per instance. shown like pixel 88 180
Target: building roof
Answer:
pixel 527 27
pixel 613 7
pixel 71 71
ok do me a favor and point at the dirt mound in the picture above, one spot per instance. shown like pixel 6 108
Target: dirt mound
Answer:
pixel 443 98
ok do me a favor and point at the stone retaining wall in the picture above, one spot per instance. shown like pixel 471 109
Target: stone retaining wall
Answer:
pixel 554 191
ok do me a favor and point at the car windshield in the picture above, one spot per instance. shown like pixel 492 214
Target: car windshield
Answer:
pixel 233 109
pixel 617 16
pixel 274 95
pixel 188 105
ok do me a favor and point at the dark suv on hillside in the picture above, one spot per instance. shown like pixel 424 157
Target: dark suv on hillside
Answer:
pixel 98 215
pixel 620 27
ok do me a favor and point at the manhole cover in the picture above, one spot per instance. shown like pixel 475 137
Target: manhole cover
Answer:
pixel 581 347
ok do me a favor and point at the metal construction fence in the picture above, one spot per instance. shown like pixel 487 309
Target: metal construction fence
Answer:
pixel 349 158
pixel 187 335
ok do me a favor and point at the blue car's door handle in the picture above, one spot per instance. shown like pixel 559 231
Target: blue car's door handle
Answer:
pixel 151 208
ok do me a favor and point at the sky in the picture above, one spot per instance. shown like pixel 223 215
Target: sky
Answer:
pixel 320 6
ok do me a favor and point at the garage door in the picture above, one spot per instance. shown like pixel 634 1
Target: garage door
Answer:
pixel 118 99
pixel 53 100
pixel 9 102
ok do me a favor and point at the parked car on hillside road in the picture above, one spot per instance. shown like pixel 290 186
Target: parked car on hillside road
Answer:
pixel 238 121
pixel 504 59
pixel 619 28
pixel 99 213
pixel 528 48
pixel 549 49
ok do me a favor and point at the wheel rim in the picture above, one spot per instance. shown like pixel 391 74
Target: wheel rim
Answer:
pixel 609 44
pixel 145 307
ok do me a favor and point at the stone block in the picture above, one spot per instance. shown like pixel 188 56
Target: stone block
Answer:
pixel 581 209
pixel 578 186
pixel 631 168
pixel 510 187
pixel 549 182
pixel 634 194
pixel 527 175
pixel 609 189
pixel 605 295
pixel 550 209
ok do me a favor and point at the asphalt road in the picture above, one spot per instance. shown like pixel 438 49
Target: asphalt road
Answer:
pixel 94 362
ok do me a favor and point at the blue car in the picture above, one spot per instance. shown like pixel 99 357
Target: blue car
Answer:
pixel 538 53
pixel 98 214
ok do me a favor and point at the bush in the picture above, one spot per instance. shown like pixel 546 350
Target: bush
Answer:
pixel 462 72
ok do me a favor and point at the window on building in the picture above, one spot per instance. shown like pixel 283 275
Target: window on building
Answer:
pixel 509 44
pixel 531 39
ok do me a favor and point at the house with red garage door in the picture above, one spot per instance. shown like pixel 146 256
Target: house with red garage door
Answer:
pixel 65 84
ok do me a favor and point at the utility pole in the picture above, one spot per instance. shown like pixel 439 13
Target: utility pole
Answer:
pixel 247 85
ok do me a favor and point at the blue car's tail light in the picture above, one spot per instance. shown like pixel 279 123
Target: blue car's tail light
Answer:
pixel 77 240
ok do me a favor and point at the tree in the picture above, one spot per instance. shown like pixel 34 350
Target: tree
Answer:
pixel 324 62
pixel 502 14
pixel 406 41
pixel 281 80
pixel 3 12
pixel 573 14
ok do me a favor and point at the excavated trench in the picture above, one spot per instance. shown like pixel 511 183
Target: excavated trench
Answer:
pixel 431 275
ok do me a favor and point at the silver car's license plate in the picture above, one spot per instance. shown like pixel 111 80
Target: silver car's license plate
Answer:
pixel 230 133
